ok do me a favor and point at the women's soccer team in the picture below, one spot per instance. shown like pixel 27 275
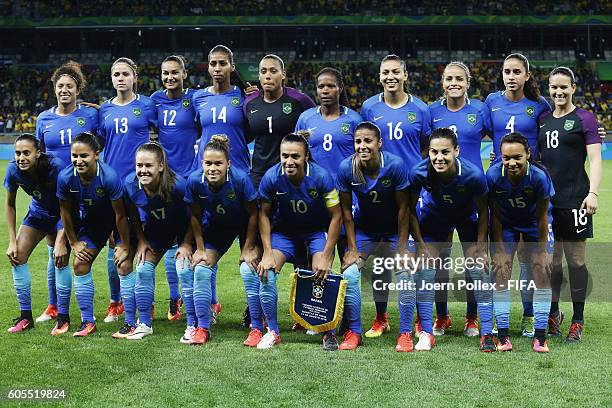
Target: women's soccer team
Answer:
pixel 398 178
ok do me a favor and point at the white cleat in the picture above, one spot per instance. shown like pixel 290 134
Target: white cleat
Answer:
pixel 269 340
pixel 426 342
pixel 187 336
pixel 142 330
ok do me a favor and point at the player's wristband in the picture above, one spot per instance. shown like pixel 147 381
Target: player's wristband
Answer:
pixel 592 192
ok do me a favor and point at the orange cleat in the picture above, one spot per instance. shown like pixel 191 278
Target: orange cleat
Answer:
pixel 404 343
pixel 418 327
pixel 253 338
pixel 441 325
pixel 50 313
pixel 113 311
pixel 487 343
pixel 61 326
pixel 351 341
pixel 21 324
pixel 379 326
pixel 201 336
pixel 503 344
pixel 540 346
pixel 85 329
pixel 470 328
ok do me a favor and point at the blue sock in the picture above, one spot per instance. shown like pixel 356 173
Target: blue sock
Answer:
pixel 484 300
pixel 144 290
pixel 171 276
pixel 268 295
pixel 501 299
pixel 51 277
pixel 113 277
pixel 526 294
pixel 541 307
pixel 425 298
pixel 22 281
pixel 213 286
pixel 185 274
pixel 352 299
pixel 127 285
pixel 63 283
pixel 84 291
pixel 201 294
pixel 406 300
pixel 251 286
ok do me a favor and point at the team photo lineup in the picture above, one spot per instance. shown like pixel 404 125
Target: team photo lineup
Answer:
pixel 172 176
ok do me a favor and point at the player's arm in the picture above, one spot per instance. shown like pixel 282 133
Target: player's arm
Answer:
pixel 542 217
pixel 79 248
pixel 332 202
pixel 346 206
pixel 496 226
pixel 482 206
pixel 11 222
pixel 402 199
pixel 415 228
pixel 265 227
pixel 590 202
pixel 122 251
pixel 249 252
pixel 199 256
pixel 143 245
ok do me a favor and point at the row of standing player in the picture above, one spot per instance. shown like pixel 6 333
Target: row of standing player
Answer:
pixel 410 122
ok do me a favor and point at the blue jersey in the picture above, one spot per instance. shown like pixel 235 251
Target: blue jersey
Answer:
pixel 518 203
pixel 159 216
pixel 469 123
pixel 520 116
pixel 223 208
pixel 44 202
pixel 222 114
pixel 299 209
pixel 178 130
pixel 124 129
pixel 376 210
pixel 56 132
pixel 330 142
pixel 455 200
pixel 404 130
pixel 95 199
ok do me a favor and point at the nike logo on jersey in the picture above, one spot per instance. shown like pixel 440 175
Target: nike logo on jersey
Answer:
pixel 158 104
pixel 254 110
pixel 202 196
pixel 541 126
pixel 437 120
pixel 495 109
pixel 281 193
pixel 578 231
pixel 203 104
pixel 48 126
pixel 107 116
pixel 74 191
pixel 376 118
pixel 311 129
pixel 355 184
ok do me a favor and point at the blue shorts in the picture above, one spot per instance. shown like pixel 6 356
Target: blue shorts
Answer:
pixel 221 240
pixel 45 223
pixel 512 235
pixel 96 236
pixel 437 229
pixel 161 241
pixel 287 244
pixel 368 242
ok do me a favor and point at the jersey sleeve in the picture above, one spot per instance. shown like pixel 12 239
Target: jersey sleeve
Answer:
pixel 266 187
pixel 479 184
pixel 544 105
pixel 487 125
pixel 304 100
pixel 589 127
pixel 401 178
pixel 101 131
pixel 300 124
pixel 40 135
pixel 62 187
pixel 190 187
pixel 544 187
pixel 114 187
pixel 248 189
pixel 343 178
pixel 9 181
pixel 417 177
pixel 151 113
pixel 330 194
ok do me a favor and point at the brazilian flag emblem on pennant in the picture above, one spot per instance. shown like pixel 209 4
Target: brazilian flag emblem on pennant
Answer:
pixel 186 103
pixel 137 112
pixel 235 101
pixel 569 125
pixel 345 127
pixel 287 108
pixel 81 121
pixel 231 195
pixel 530 110
pixel 412 117
pixel 471 118
pixel 313 193
pixel 385 181
pixel 317 305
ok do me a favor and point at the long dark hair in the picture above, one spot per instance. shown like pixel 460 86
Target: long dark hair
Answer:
pixel 235 78
pixel 338 75
pixel 433 178
pixel 531 89
pixel 356 164
pixel 167 178
pixel 43 164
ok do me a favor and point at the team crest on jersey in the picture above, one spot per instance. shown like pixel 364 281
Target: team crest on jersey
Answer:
pixel 345 127
pixel 137 112
pixel 528 191
pixel 100 192
pixel 412 117
pixel 231 195
pixel 317 291
pixel 186 103
pixel 471 118
pixel 569 125
pixel 461 189
pixel 287 108
pixel 313 193
pixel 81 121
pixel 385 181
pixel 530 111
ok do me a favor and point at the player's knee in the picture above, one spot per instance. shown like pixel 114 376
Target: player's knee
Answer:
pixel 202 273
pixel 80 267
pixel 145 272
pixel 125 269
pixel 352 275
pixel 246 273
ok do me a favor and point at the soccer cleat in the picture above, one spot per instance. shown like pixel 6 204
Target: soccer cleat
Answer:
pixel 269 340
pixel 379 326
pixel 426 342
pixel 540 346
pixel 253 338
pixel 85 329
pixel 418 327
pixel 188 335
pixel 141 331
pixel 487 343
pixel 470 327
pixel 404 343
pixel 174 312
pixel 527 329
pixel 351 341
pixel 246 318
pixel 330 342
pixel 21 324
pixel 297 327
pixel 50 313
pixel 62 326
pixel 200 336
pixel 554 324
pixel 441 325
pixel 503 344
pixel 575 333
pixel 113 312
pixel 124 331
pixel 215 311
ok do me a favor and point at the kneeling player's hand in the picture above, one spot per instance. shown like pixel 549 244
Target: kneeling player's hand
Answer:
pixel 121 254
pixel 267 263
pixel 250 256
pixel 81 253
pixel 141 251
pixel 184 254
pixel 199 257
pixel 60 254
pixel 321 266
pixel 11 252
pixel 350 257
pixel 501 265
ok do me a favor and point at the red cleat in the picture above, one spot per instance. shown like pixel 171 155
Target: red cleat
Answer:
pixel 379 326
pixel 351 341
pixel 85 329
pixel 253 338
pixel 404 343
pixel 50 313
pixel 441 325
pixel 201 336
pixel 21 325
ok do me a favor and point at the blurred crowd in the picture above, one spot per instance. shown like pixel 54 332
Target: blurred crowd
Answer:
pixel 27 91
pixel 68 8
